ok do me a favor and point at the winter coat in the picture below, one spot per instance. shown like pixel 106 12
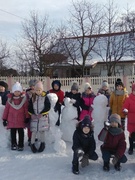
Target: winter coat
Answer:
pixel 86 102
pixel 16 111
pixel 38 109
pixel 115 142
pixel 129 104
pixel 116 103
pixel 85 142
pixel 4 97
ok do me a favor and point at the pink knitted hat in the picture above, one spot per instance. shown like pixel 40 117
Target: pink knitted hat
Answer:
pixel 39 85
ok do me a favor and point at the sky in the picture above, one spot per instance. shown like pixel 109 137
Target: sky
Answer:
pixel 13 12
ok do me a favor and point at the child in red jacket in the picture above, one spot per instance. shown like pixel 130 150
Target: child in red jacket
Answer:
pixel 15 115
pixel 114 144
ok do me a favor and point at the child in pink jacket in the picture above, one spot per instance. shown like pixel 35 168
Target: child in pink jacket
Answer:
pixel 16 115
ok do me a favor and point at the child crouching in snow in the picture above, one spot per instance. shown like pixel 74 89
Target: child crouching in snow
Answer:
pixel 15 115
pixel 39 106
pixel 114 144
pixel 83 145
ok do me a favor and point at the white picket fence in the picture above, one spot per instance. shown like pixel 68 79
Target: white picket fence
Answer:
pixel 95 82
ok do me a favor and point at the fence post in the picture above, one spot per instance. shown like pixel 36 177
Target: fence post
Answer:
pixel 48 83
pixel 9 79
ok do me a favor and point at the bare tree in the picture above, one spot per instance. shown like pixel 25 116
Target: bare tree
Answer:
pixel 86 20
pixel 4 53
pixel 115 45
pixel 38 39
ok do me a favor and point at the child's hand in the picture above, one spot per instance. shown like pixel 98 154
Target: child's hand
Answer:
pixel 5 122
pixel 125 111
pixel 115 160
pixel 33 116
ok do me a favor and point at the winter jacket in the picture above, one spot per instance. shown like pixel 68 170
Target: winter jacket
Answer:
pixel 4 97
pixel 38 109
pixel 16 111
pixel 129 104
pixel 115 142
pixel 85 142
pixel 116 103
pixel 86 102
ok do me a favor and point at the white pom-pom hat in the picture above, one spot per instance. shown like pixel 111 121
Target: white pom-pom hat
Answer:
pixel 17 87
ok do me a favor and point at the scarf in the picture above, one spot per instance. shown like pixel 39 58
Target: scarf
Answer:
pixel 17 107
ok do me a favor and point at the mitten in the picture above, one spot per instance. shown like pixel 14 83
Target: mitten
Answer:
pixel 5 122
pixel 33 116
pixel 39 116
pixel 85 160
pixel 115 160
pixel 73 101
pixel 80 153
pixel 106 125
pixel 27 120
pixel 125 111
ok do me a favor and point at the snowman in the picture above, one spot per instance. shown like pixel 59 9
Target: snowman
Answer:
pixel 99 113
pixel 54 134
pixel 5 138
pixel 68 120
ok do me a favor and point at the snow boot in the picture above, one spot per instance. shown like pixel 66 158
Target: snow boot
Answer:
pixel 33 148
pixel 75 168
pixel 85 161
pixel 14 147
pixel 42 147
pixel 106 166
pixel 117 166
pixel 130 151
pixel 20 149
pixel 29 141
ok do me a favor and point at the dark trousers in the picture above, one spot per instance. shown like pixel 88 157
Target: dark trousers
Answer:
pixel 93 157
pixel 106 155
pixel 20 132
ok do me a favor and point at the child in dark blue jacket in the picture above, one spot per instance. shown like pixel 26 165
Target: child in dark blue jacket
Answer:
pixel 83 145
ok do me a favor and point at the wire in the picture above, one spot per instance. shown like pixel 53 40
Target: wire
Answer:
pixel 12 14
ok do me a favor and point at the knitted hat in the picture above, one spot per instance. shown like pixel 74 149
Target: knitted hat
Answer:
pixel 17 87
pixel 86 122
pixel 87 86
pixel 133 87
pixel 39 85
pixel 32 82
pixel 115 118
pixel 74 86
pixel 119 83
pixel 4 84
pixel 105 84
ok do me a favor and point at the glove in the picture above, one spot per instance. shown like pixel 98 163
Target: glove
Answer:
pixel 5 122
pixel 27 120
pixel 125 111
pixel 115 160
pixel 73 101
pixel 80 153
pixel 39 116
pixel 33 116
pixel 85 160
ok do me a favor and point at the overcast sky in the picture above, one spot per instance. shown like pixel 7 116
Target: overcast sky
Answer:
pixel 57 10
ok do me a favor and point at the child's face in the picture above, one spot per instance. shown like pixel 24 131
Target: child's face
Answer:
pixel 2 89
pixel 104 88
pixel 88 91
pixel 17 93
pixel 119 87
pixel 114 124
pixel 86 130
pixel 32 87
pixel 56 87
pixel 74 91
pixel 38 91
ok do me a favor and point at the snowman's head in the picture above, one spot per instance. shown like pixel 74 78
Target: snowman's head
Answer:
pixel 67 102
pixel 100 100
pixel 53 98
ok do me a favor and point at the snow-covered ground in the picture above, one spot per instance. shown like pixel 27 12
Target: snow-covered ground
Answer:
pixel 15 165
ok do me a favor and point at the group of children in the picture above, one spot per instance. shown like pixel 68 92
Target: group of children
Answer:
pixel 30 109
